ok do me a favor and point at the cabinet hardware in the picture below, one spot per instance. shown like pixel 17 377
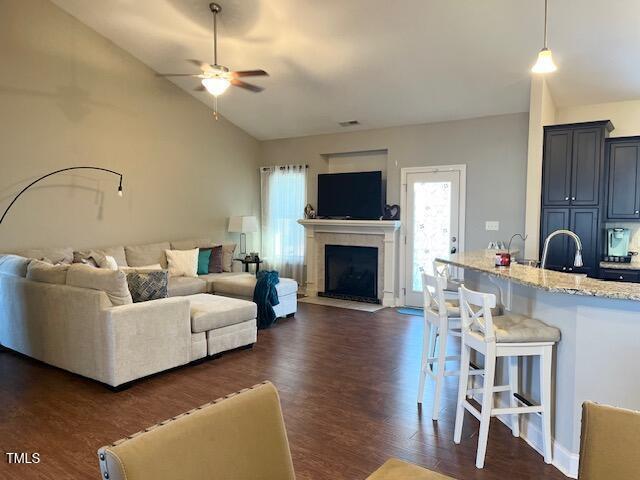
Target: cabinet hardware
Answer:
pixel 621 277
pixel 573 198
pixel 566 198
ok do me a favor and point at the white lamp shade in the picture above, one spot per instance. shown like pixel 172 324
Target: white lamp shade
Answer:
pixel 216 85
pixel 246 224
pixel 544 64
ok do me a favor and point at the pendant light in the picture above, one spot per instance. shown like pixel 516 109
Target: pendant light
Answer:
pixel 544 64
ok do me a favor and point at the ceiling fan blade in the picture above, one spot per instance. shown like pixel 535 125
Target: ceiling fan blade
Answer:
pixel 178 74
pixel 246 86
pixel 249 73
pixel 202 65
pixel 200 88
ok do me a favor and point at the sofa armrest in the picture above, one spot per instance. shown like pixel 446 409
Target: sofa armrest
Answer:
pixel 146 338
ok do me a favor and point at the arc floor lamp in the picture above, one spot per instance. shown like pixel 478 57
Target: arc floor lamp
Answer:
pixel 56 172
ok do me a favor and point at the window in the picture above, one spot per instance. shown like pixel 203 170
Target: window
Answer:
pixel 283 201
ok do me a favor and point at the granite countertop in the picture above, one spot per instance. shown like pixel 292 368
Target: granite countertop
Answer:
pixel 621 266
pixel 549 280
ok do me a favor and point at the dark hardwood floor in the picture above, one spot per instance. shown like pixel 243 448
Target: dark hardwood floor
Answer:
pixel 347 380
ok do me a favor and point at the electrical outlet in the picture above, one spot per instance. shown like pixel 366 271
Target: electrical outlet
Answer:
pixel 492 226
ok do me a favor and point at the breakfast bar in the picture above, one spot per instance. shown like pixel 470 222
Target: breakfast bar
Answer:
pixel 597 356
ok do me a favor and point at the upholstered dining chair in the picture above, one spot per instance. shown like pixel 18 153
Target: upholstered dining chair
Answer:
pixel 241 436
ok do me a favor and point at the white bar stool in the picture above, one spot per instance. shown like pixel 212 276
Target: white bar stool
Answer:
pixel 441 319
pixel 510 336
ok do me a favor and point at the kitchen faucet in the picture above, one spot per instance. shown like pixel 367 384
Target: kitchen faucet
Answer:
pixel 577 262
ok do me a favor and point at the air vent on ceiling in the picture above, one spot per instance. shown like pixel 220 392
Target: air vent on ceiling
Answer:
pixel 349 123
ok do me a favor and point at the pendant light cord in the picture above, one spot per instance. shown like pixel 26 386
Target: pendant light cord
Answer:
pixel 545 22
pixel 215 37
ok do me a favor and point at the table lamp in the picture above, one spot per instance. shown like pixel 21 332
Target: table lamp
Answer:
pixel 243 225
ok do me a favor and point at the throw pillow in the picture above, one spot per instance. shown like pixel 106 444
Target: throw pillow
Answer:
pixel 110 262
pixel 112 282
pixel 39 271
pixel 182 263
pixel 227 256
pixel 145 286
pixel 215 262
pixel 144 269
pixel 204 257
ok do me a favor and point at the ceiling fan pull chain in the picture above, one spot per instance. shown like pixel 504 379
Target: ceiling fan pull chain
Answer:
pixel 215 108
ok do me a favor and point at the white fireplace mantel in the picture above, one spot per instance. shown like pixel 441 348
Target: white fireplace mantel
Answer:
pixel 388 229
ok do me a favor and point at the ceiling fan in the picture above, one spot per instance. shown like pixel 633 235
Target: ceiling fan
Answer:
pixel 217 78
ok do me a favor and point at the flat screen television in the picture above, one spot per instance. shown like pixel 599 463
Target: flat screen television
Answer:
pixel 350 195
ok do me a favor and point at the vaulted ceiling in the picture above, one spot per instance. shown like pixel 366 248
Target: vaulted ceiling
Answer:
pixel 382 63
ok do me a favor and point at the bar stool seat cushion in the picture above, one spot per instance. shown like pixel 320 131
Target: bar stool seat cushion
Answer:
pixel 515 328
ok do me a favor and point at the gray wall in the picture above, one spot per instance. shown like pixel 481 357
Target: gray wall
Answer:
pixel 493 148
pixel 70 97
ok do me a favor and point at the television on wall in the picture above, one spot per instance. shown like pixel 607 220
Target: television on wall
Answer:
pixel 356 196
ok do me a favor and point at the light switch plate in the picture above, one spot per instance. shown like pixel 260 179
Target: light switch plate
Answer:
pixel 492 226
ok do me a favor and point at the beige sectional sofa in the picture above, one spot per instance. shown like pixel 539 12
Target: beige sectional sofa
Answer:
pixel 81 330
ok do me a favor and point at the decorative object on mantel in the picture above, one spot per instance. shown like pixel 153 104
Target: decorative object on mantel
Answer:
pixel 56 172
pixel 243 225
pixel 309 212
pixel 391 212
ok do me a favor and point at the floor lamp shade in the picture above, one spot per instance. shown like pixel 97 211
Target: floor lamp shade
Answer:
pixel 243 225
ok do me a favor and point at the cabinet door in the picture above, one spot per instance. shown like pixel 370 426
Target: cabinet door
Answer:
pixel 556 167
pixel 620 275
pixel 586 166
pixel 584 223
pixel 623 181
pixel 555 219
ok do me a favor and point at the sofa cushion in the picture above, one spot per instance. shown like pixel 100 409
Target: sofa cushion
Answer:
pixel 182 263
pixel 112 282
pixel 14 265
pixel 211 278
pixel 243 285
pixel 140 255
pixel 146 286
pixel 191 244
pixel 39 271
pixel 53 255
pixel 180 286
pixel 117 253
pixel 209 312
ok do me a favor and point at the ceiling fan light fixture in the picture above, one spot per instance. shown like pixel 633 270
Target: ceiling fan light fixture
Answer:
pixel 545 63
pixel 216 86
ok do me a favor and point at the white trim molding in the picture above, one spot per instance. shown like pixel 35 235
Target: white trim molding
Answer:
pixel 387 229
pixel 462 168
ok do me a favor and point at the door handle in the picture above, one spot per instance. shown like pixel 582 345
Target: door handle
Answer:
pixel 454 249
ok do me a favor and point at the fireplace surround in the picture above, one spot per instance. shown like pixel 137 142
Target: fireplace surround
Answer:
pixel 381 234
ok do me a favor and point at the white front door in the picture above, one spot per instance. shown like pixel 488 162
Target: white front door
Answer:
pixel 432 224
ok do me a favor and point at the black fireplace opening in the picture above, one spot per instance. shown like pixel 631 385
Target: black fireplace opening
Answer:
pixel 351 273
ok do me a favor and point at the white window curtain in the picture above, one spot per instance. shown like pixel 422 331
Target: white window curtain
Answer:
pixel 283 200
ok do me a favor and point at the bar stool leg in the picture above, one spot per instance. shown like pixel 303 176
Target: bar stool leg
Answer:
pixel 462 392
pixel 513 384
pixel 428 345
pixel 487 404
pixel 545 394
pixel 442 366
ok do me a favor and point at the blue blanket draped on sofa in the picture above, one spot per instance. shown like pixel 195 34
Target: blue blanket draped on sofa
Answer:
pixel 266 297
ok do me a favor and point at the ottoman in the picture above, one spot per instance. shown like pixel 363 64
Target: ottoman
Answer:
pixel 227 322
pixel 242 286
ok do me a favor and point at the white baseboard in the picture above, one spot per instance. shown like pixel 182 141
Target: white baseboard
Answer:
pixel 563 459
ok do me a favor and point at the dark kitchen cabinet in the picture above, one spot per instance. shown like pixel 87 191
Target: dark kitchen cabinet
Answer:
pixel 555 219
pixel 620 275
pixel 573 192
pixel 583 222
pixel 623 185
pixel 572 164
pixel 556 183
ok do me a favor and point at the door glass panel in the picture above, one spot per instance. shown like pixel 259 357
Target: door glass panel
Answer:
pixel 431 226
